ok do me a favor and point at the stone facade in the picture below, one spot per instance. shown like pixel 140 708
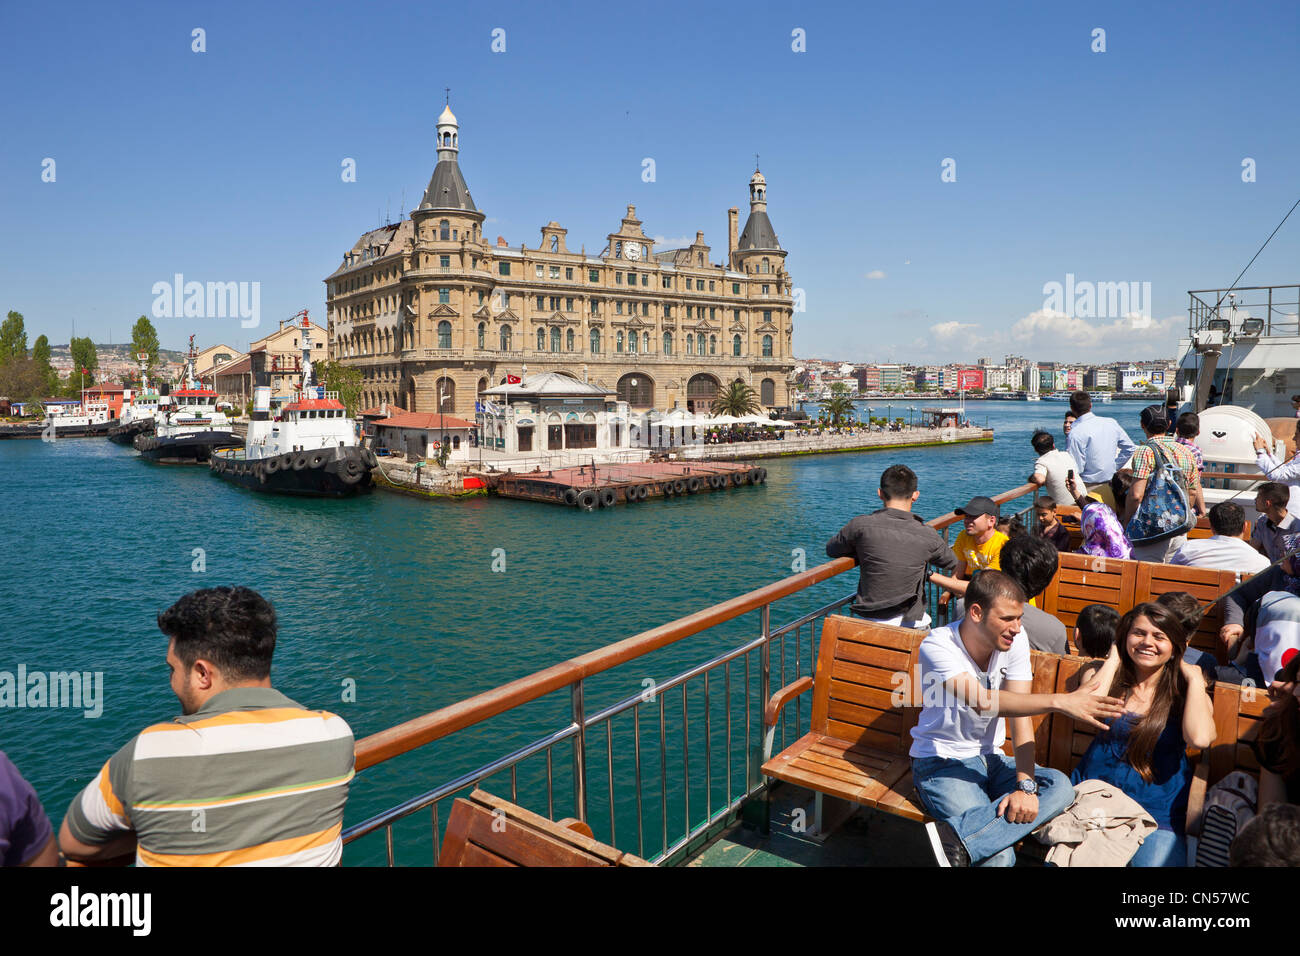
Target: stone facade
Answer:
pixel 433 314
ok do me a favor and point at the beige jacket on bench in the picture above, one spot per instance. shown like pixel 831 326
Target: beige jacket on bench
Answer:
pixel 1103 827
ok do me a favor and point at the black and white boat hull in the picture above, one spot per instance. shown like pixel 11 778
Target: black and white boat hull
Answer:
pixel 321 472
pixel 126 434
pixel 192 449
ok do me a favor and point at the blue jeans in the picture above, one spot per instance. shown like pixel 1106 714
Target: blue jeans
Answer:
pixel 966 794
pixel 1161 848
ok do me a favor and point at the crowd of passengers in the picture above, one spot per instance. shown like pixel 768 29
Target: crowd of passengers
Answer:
pixel 1146 694
pixel 269 778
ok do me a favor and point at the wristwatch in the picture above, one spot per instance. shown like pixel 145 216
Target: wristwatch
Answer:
pixel 1028 786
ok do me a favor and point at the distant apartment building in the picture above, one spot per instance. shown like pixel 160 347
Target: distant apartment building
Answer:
pixel 1099 377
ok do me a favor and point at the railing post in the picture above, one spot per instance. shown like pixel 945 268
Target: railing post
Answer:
pixel 579 754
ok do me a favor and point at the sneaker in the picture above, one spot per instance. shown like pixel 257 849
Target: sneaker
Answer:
pixel 947 846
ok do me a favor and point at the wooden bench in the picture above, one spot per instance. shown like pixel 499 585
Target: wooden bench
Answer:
pixel 857 745
pixel 484 830
pixel 1082 579
pixel 1237 713
pixel 1069 516
pixel 860 732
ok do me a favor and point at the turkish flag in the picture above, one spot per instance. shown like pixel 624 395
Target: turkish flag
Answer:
pixel 513 379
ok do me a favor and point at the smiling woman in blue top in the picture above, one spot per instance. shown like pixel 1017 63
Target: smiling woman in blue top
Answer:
pixel 1099 446
pixel 1166 710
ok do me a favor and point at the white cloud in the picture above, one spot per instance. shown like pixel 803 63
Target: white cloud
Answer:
pixel 876 274
pixel 947 330
pixel 1054 332
pixel 677 242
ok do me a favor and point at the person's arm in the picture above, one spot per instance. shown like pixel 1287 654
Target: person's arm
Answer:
pixel 1084 704
pixel 841 546
pixel 49 855
pixel 1018 806
pixel 955 585
pixel 943 556
pixel 1198 712
pixel 1125 444
pixel 1277 470
pixel 1134 498
pixel 1272 788
pixel 96 826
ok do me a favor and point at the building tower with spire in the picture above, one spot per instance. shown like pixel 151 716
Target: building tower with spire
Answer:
pixel 434 313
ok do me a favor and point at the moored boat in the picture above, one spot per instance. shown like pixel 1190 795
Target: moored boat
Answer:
pixel 189 423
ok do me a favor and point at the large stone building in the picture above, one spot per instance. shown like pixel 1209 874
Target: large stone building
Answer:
pixel 433 314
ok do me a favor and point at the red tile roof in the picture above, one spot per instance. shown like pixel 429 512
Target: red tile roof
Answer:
pixel 312 403
pixel 379 411
pixel 430 421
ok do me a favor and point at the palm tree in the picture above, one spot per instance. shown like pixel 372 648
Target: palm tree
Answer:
pixel 839 407
pixel 737 399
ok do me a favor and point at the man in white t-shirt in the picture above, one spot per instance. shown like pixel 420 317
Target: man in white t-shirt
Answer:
pixel 1226 550
pixel 973 673
pixel 1053 467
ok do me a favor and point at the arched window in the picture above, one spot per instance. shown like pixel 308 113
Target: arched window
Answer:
pixel 444 334
pixel 444 396
pixel 713 345
pixel 637 389
pixel 482 386
pixel 767 266
pixel 645 341
pixel 555 339
pixel 767 346
pixel 505 338
pixel 767 392
pixel 735 344
pixel 482 335
pixel 568 341
pixel 618 341
pixel 690 344
pixel 668 343
pixel 595 341
pixel 541 340
pixel 645 252
pixel 700 392
pixel 444 229
pixel 631 341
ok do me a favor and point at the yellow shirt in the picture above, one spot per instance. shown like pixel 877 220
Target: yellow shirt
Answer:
pixel 979 557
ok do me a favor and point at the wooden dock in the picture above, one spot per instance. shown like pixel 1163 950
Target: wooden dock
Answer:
pixel 603 486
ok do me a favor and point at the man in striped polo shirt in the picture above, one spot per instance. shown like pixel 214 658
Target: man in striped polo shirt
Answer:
pixel 245 777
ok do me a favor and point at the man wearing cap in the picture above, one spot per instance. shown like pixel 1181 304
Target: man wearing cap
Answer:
pixel 1144 466
pixel 1099 446
pixel 979 544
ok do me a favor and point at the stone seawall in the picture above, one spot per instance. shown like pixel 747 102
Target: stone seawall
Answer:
pixel 834 444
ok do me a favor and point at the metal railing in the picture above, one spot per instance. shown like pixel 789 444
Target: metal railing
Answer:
pixel 731 741
pixel 1277 305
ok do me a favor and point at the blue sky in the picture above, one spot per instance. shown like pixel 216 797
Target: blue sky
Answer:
pixel 1115 166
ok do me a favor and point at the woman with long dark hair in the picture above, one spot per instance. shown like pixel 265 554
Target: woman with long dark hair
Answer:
pixel 1278 745
pixel 1166 709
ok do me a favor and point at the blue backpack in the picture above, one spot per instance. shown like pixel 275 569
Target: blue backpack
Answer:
pixel 1165 510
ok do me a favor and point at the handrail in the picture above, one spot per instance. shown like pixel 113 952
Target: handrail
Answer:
pixel 951 518
pixel 1235 476
pixel 418 731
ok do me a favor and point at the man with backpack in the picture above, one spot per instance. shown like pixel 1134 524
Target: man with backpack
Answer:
pixel 1166 478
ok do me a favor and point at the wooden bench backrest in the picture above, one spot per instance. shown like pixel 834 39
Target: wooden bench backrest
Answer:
pixel 1203 529
pixel 1081 580
pixel 484 830
pixel 1237 712
pixel 1069 739
pixel 860 670
pixel 1204 584
pixel 1045 675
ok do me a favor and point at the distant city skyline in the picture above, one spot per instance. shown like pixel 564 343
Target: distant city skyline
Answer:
pixel 985 181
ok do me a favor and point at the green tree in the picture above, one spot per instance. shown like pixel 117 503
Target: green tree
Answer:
pixel 344 380
pixel 144 338
pixel 839 407
pixel 13 338
pixel 84 356
pixel 41 356
pixel 21 380
pixel 737 399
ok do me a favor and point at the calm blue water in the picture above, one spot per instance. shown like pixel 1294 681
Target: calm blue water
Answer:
pixel 399 595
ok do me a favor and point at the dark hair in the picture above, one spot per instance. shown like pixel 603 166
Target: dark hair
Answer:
pixel 1012 526
pixel 1045 503
pixel 1031 562
pixel 1274 493
pixel 1185 607
pixel 1080 403
pixel 1042 441
pixel 1153 419
pixel 232 627
pixel 1096 624
pixel 1272 838
pixel 1189 425
pixel 1278 744
pixel 1227 519
pixel 1171 687
pixel 988 585
pixel 898 481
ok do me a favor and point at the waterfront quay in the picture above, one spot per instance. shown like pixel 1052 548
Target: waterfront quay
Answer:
pixel 831 444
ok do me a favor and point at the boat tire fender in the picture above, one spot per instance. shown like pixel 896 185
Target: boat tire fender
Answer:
pixel 318 459
pixel 300 463
pixel 351 471
pixel 272 465
pixel 642 492
pixel 587 500
pixel 607 498
pixel 629 493
pixel 693 485
pixel 570 496
pixel 679 487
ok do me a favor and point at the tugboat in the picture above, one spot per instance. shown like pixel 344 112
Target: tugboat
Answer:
pixel 138 414
pixel 188 425
pixel 310 449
